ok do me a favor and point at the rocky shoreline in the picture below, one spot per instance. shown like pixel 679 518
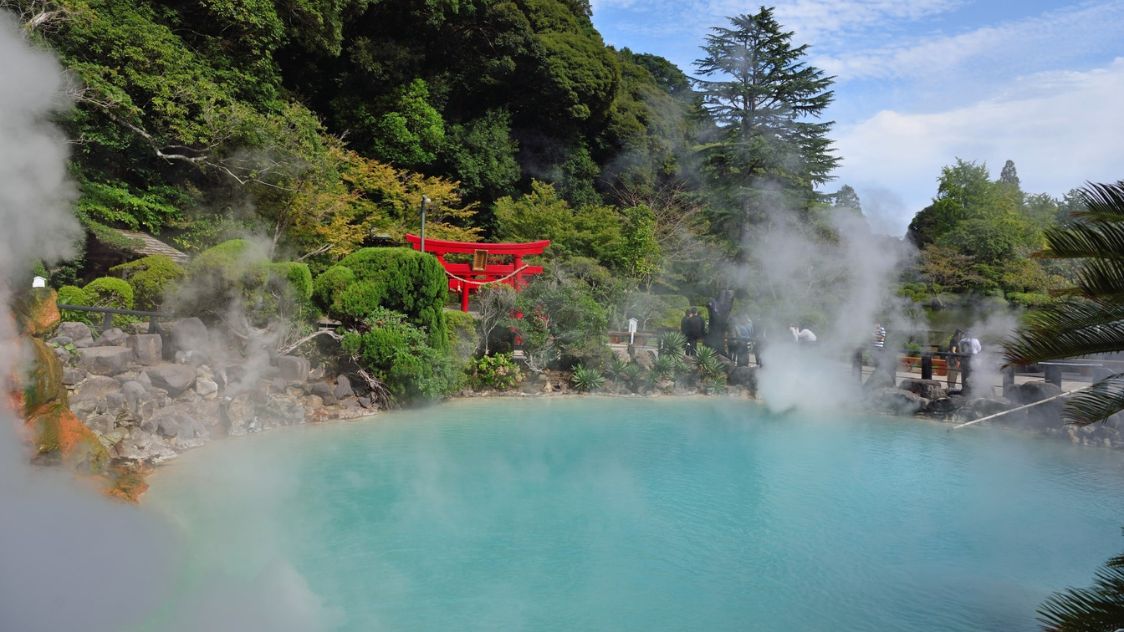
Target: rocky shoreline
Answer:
pixel 148 397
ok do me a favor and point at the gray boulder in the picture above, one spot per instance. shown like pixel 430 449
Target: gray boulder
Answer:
pixel 929 389
pixel 105 360
pixel 147 348
pixel 239 415
pixel 134 376
pixel 91 394
pixel 743 376
pixel 206 387
pixel 189 334
pixel 191 357
pixel 1031 392
pixel 61 341
pixel 293 368
pixel 101 423
pixel 74 331
pixel 984 406
pixel 72 376
pixel 134 393
pixel 112 337
pixel 343 388
pixel 326 392
pixel 174 378
pixel 895 401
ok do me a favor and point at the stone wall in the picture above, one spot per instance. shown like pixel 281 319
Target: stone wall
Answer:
pixel 149 396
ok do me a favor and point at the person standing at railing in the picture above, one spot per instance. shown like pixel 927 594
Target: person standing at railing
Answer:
pixel 953 358
pixel 878 351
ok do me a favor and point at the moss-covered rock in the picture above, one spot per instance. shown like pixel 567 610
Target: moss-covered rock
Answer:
pixel 37 312
pixel 42 379
pixel 58 436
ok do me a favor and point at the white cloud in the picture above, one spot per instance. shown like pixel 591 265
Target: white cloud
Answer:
pixel 1041 41
pixel 1060 128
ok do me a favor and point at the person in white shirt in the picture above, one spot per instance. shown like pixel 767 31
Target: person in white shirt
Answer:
pixel 801 334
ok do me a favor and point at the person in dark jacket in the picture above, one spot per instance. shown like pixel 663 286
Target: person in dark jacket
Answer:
pixel 693 328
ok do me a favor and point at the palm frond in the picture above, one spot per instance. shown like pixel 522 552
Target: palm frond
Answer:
pixel 1097 403
pixel 1098 608
pixel 1068 329
pixel 1103 202
pixel 1102 278
pixel 1102 239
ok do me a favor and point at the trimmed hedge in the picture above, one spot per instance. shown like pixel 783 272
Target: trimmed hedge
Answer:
pixel 399 279
pixel 74 295
pixel 151 277
pixel 329 286
pixel 110 292
pixel 233 271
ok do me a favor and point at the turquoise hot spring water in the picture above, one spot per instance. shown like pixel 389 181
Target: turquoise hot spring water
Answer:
pixel 639 514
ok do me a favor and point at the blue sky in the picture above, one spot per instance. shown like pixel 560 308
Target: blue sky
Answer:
pixel 922 82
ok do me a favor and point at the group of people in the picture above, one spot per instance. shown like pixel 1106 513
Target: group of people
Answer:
pixel 735 342
pixel 961 344
pixel 736 338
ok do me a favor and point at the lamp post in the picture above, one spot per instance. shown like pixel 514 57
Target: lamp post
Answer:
pixel 424 205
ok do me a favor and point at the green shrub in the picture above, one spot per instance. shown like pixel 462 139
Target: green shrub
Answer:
pixel 497 371
pixel 405 281
pixel 233 271
pixel 1030 299
pixel 463 337
pixel 74 295
pixel 576 321
pixel 615 368
pixel 709 369
pixel 290 284
pixel 328 287
pixel 672 344
pixel 151 277
pixel 110 292
pixel 668 311
pixel 587 380
pixel 635 377
pixel 399 355
pixel 296 275
pixel 227 260
pixel 666 367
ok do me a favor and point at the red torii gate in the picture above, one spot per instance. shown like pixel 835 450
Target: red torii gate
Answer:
pixel 468 277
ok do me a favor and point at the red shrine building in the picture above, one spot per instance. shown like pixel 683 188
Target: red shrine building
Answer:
pixel 491 263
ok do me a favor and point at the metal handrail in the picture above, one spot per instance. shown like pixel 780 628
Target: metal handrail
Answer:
pixel 109 312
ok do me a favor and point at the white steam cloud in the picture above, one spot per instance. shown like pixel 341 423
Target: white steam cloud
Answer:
pixel 69 558
pixel 840 288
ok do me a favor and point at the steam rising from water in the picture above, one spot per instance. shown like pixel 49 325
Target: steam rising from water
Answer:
pixel 840 288
pixel 69 558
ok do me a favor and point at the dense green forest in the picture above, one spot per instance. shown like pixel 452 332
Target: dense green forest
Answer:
pixel 308 131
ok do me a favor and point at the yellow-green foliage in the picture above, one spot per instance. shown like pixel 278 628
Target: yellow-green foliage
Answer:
pixel 151 278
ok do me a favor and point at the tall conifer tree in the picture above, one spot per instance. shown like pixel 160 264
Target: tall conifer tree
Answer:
pixel 768 148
